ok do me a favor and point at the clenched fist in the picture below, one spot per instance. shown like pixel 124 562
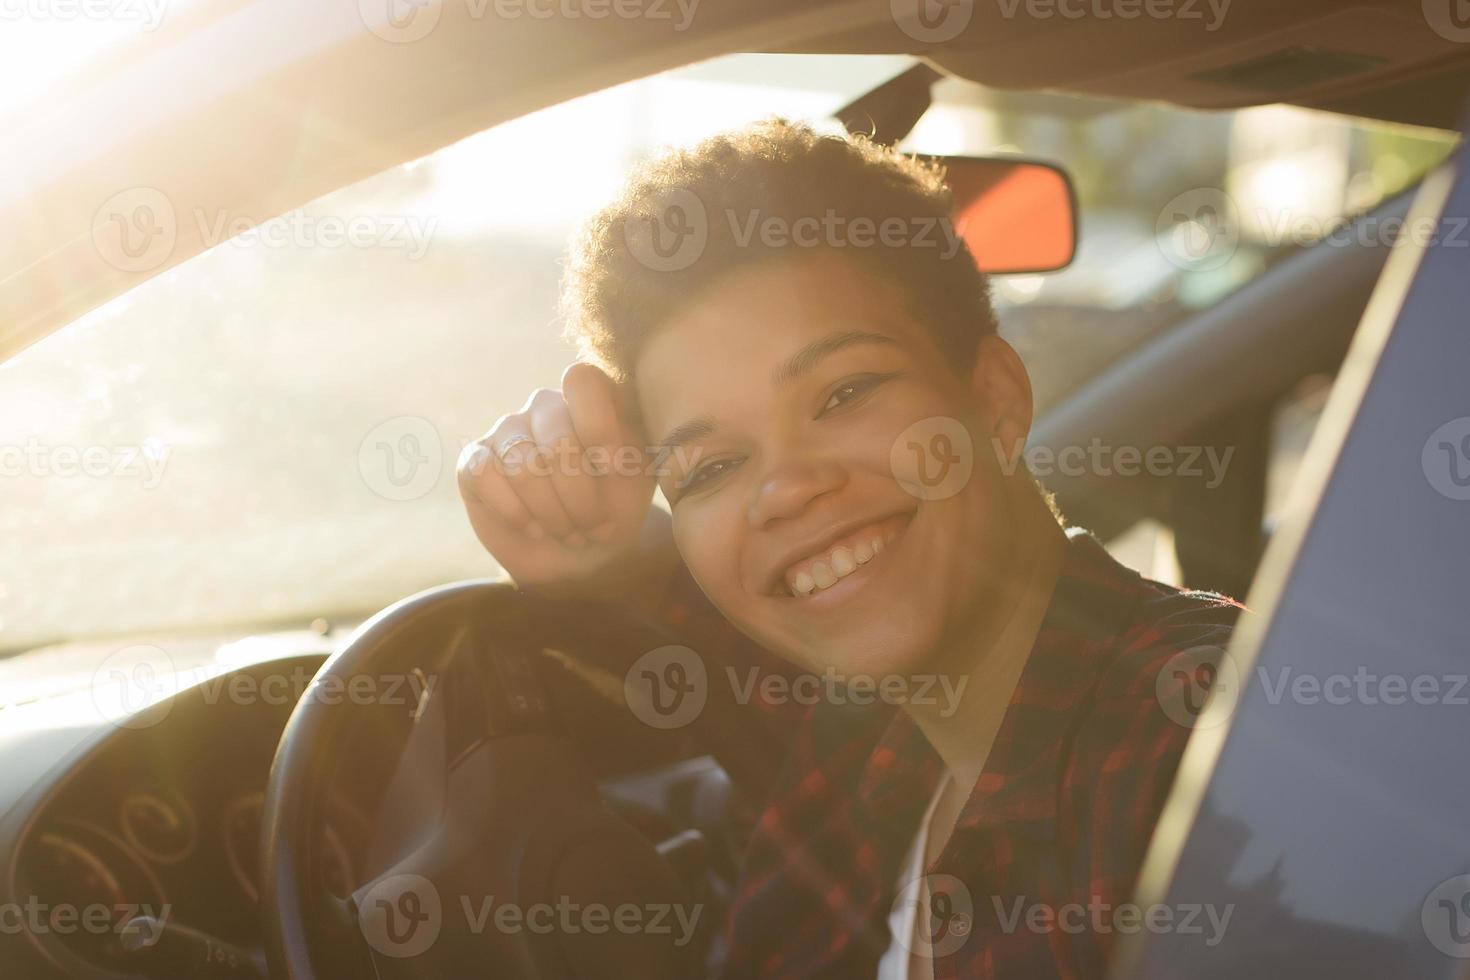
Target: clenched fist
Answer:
pixel 560 493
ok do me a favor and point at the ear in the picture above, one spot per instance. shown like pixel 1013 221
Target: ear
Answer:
pixel 1000 382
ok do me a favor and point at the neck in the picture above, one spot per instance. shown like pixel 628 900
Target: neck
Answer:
pixel 988 662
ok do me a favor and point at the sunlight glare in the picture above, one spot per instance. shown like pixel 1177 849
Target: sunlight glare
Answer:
pixel 42 41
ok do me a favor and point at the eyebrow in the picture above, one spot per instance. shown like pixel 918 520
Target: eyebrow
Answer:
pixel 812 354
pixel 798 364
pixel 686 432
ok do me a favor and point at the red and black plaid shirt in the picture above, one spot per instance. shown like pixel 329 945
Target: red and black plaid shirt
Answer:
pixel 1051 838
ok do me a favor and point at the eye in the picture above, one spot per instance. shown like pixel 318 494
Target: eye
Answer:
pixel 851 390
pixel 704 475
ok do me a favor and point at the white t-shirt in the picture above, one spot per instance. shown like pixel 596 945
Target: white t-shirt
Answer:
pixel 895 962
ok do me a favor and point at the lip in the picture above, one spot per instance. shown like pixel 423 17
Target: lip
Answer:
pixel 775 581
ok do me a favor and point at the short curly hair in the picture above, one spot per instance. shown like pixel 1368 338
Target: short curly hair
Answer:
pixel 615 292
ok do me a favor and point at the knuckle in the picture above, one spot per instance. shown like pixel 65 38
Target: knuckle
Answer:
pixel 543 399
pixel 501 426
pixel 474 459
pixel 583 378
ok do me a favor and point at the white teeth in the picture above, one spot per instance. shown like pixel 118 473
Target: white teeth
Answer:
pixel 843 562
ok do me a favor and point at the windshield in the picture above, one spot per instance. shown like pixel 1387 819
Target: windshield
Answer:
pixel 267 434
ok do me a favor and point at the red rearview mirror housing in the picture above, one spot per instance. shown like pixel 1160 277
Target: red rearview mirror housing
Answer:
pixel 1016 215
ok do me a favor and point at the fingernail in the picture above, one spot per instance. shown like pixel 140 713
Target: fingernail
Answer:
pixel 576 539
pixel 534 530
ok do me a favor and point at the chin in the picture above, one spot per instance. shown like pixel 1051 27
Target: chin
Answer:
pixel 878 643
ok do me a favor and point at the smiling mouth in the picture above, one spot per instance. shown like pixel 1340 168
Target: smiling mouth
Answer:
pixel 816 573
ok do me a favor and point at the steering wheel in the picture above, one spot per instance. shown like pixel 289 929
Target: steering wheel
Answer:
pixel 502 813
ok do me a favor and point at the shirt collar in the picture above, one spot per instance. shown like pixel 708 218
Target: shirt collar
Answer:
pixel 1093 600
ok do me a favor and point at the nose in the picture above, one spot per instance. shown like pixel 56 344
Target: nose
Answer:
pixel 790 487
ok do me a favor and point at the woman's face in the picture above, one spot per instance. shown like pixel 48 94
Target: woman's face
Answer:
pixel 839 491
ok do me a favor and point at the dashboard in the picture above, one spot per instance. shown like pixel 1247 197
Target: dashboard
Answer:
pixel 161 821
pixel 149 821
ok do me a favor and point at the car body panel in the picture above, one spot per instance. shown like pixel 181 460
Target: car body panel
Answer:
pixel 1327 811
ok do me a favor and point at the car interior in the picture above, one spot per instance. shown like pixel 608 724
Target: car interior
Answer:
pixel 136 777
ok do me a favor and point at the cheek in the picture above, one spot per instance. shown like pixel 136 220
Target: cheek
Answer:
pixel 915 405
pixel 707 535
pixel 872 440
pixel 982 530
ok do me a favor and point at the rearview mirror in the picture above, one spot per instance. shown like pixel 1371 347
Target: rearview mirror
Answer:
pixel 1016 215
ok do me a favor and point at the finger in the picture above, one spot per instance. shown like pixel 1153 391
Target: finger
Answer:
pixel 575 488
pixel 518 459
pixel 604 413
pixel 592 404
pixel 603 416
pixel 484 487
